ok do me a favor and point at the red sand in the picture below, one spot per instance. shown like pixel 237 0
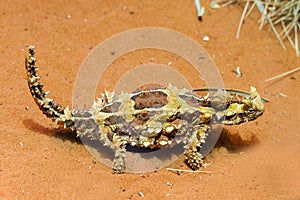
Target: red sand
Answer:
pixel 258 160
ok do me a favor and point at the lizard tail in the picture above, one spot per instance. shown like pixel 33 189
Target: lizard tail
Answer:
pixel 62 116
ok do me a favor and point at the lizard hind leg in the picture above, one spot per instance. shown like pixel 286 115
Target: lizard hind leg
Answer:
pixel 193 156
pixel 119 159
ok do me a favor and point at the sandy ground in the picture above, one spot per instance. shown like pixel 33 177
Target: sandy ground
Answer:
pixel 255 160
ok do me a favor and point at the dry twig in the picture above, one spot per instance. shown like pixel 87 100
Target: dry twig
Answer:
pixel 284 74
pixel 189 171
pixel 282 15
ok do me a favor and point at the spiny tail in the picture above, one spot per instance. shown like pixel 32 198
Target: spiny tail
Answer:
pixel 83 123
pixel 62 116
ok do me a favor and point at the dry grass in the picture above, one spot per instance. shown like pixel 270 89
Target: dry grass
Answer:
pixel 283 16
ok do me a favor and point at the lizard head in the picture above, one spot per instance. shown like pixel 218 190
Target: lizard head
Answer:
pixel 249 108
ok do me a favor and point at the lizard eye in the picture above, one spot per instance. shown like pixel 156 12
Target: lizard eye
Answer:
pixel 251 110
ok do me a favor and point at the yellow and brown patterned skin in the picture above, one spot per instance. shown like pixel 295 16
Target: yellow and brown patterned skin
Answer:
pixel 149 118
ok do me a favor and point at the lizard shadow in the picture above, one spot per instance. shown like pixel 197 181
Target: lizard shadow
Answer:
pixel 63 135
pixel 235 142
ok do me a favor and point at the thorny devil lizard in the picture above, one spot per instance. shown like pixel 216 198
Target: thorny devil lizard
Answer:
pixel 153 118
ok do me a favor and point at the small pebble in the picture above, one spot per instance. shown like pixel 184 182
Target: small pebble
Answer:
pixel 141 194
pixel 170 63
pixel 205 38
pixel 142 175
pixel 214 5
pixel 238 72
pixel 21 144
pixel 68 17
pixel 169 184
pixel 282 95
